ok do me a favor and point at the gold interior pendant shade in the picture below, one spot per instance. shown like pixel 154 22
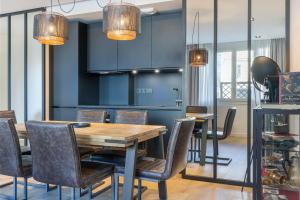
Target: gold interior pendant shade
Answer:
pixel 121 21
pixel 50 28
pixel 198 57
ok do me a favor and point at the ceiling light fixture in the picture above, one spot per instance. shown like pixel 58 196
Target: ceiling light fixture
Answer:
pixel 197 56
pixel 121 21
pixel 51 28
pixel 156 71
pixel 134 72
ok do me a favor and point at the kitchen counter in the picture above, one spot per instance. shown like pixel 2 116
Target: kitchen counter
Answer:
pixel 174 108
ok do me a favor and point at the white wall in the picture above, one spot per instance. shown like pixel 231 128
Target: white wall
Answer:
pixel 295 35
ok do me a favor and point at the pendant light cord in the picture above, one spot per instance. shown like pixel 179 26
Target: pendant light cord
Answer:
pixel 196 18
pixel 101 3
pixel 68 11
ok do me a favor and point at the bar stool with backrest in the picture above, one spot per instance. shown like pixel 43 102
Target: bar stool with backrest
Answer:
pixel 160 170
pixel 222 135
pixel 62 165
pixel 195 142
pixel 12 162
pixel 10 114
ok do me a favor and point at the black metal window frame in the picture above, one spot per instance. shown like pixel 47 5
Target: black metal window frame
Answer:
pixel 214 178
pixel 9 57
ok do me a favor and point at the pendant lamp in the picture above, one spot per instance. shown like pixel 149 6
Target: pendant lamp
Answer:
pixel 197 56
pixel 121 21
pixel 51 28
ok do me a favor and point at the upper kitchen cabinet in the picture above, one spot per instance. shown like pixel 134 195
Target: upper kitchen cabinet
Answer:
pixel 102 52
pixel 65 63
pixel 136 54
pixel 168 41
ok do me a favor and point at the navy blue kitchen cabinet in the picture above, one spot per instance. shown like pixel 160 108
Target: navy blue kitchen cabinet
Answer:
pixel 65 75
pixel 168 41
pixel 102 52
pixel 136 54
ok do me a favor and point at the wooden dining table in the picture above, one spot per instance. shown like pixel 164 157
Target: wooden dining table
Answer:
pixel 125 136
pixel 203 118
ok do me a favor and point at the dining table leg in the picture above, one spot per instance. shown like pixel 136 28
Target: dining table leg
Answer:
pixel 203 142
pixel 130 164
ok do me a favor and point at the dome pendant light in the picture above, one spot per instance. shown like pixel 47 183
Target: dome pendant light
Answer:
pixel 50 28
pixel 121 21
pixel 197 56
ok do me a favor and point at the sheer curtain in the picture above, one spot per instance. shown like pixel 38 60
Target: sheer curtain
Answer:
pixel 201 81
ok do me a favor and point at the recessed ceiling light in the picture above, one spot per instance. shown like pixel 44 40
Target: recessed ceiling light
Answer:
pixel 134 71
pixel 180 70
pixel 156 71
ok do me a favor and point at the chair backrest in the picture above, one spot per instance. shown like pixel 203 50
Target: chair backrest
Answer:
pixel 9 114
pixel 178 146
pixel 10 153
pixel 92 116
pixel 197 109
pixel 228 124
pixel 55 156
pixel 131 117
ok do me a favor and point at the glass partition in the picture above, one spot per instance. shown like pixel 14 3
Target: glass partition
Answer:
pixel 4 63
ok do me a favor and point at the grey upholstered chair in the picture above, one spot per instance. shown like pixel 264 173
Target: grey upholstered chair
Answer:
pixel 62 165
pixel 195 142
pixel 222 135
pixel 10 114
pixel 92 116
pixel 117 157
pixel 12 162
pixel 160 170
pixel 131 117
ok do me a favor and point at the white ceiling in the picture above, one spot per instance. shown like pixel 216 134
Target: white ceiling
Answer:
pixel 269 15
pixel 269 19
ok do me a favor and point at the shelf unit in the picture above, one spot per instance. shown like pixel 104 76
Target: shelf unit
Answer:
pixel 273 155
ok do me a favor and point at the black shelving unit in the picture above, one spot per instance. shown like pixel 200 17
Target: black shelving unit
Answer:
pixel 267 168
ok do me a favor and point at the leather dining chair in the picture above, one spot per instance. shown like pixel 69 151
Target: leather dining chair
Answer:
pixel 62 166
pixel 10 114
pixel 160 170
pixel 222 135
pixel 195 142
pixel 12 162
pixel 117 157
pixel 92 116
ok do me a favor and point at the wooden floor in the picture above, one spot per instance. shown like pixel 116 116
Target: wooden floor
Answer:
pixel 178 188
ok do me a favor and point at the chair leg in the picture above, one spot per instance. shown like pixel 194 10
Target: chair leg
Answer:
pixel 113 185
pixel 116 187
pixel 15 188
pixel 195 149
pixel 162 188
pixel 191 151
pixel 199 149
pixel 59 192
pixel 25 188
pixel 139 189
pixel 90 192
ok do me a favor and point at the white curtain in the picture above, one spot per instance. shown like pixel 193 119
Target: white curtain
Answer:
pixel 201 82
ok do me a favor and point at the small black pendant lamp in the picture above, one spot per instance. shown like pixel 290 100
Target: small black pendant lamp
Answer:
pixel 198 57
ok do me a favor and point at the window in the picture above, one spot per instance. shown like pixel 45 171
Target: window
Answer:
pixel 233 75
